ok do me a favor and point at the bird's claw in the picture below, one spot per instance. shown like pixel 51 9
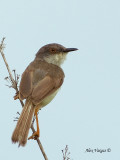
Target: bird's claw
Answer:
pixel 34 136
pixel 16 96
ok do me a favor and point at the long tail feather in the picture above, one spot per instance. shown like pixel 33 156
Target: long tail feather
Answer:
pixel 21 131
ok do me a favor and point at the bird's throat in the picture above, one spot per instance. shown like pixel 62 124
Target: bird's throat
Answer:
pixel 56 59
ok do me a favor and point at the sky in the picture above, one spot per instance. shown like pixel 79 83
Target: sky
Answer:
pixel 85 114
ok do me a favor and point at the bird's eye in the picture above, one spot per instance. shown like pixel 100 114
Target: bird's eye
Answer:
pixel 52 50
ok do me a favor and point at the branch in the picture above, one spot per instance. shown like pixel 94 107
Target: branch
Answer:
pixel 3 56
pixel 14 85
pixel 39 144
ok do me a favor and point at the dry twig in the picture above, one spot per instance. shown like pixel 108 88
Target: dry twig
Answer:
pixel 14 84
pixel 66 153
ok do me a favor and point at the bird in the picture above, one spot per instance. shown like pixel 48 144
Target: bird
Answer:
pixel 40 82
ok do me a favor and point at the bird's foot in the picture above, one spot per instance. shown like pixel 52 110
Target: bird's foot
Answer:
pixel 16 96
pixel 35 135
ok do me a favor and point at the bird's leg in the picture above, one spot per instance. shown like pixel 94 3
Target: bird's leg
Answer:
pixel 36 134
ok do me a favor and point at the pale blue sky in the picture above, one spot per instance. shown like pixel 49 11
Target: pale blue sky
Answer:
pixel 86 112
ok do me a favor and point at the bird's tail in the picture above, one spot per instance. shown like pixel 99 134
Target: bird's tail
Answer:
pixel 21 131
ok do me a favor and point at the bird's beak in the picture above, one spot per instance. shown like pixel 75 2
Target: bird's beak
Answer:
pixel 70 49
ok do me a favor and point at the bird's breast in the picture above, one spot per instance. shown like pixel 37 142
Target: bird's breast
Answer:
pixel 48 99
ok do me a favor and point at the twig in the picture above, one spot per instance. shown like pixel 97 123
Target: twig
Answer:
pixel 14 85
pixel 3 56
pixel 39 144
pixel 66 153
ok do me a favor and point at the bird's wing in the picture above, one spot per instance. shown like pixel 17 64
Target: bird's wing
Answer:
pixel 27 80
pixel 25 88
pixel 44 88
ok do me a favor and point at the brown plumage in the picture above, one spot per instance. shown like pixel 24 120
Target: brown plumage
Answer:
pixel 39 85
pixel 38 89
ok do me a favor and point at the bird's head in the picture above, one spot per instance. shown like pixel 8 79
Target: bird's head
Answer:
pixel 54 53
